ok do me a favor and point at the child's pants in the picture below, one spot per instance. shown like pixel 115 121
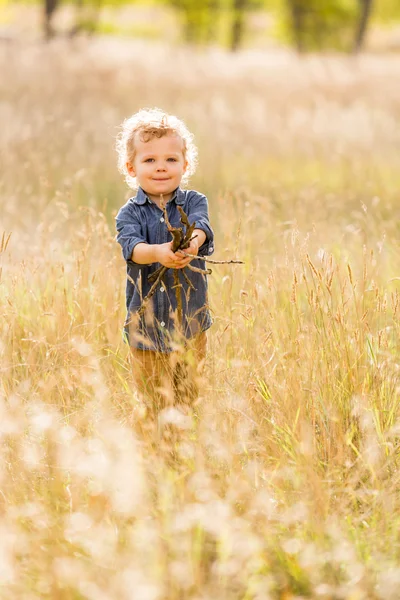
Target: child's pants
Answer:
pixel 167 379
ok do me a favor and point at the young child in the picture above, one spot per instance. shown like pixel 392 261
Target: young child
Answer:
pixel 156 154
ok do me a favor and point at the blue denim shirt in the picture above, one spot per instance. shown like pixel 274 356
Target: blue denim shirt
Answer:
pixel 141 220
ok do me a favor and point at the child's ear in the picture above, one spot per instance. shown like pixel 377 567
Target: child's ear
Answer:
pixel 130 169
pixel 185 166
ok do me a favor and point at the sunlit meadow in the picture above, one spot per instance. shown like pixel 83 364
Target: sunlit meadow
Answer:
pixel 285 482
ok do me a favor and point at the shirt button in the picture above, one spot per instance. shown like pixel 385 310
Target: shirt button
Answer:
pixel 162 220
pixel 162 289
pixel 162 324
pixel 210 251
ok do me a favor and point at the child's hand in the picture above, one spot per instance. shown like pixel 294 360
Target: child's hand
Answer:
pixel 169 259
pixel 193 248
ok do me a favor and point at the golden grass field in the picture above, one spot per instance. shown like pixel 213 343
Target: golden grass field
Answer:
pixel 286 484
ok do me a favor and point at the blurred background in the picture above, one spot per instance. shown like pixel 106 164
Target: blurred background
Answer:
pixel 286 483
pixel 345 25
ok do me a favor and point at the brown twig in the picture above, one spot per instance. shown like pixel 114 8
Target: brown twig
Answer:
pixel 151 292
pixel 186 278
pixel 189 228
pixel 178 294
pixel 184 218
pixel 176 232
pixel 153 276
pixel 214 262
pixel 190 286
pixel 197 270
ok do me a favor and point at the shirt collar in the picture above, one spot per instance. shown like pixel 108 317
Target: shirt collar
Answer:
pixel 141 196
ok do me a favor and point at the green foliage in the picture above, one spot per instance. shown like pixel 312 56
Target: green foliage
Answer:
pixel 308 24
pixel 315 25
pixel 326 24
pixel 140 30
pixel 205 21
pixel 387 11
pixel 199 18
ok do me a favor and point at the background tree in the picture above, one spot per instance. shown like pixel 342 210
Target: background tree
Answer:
pixel 297 20
pixel 49 9
pixel 239 10
pixel 332 24
pixel 86 18
pixel 361 30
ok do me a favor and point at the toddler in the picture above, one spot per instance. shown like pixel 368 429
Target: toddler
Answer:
pixel 156 154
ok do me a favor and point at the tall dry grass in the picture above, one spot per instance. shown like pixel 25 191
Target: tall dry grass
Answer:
pixel 285 483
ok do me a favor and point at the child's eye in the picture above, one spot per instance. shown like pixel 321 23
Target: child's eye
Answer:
pixel 172 159
pixel 149 160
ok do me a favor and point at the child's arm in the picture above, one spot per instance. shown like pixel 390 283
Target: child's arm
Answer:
pixel 134 244
pixel 144 254
pixel 129 231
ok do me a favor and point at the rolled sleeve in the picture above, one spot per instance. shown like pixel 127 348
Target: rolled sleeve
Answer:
pixel 198 211
pixel 129 232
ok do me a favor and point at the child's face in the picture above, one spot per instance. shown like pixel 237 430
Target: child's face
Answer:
pixel 159 165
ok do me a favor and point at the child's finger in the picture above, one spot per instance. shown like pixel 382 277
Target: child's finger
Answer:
pixel 183 257
pixel 182 263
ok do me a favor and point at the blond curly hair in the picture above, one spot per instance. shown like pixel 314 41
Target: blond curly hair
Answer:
pixel 151 123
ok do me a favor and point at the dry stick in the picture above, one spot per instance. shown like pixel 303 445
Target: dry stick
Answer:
pixel 189 227
pixel 184 218
pixel 214 262
pixel 151 292
pixel 178 239
pixel 186 278
pixel 190 286
pixel 176 232
pixel 153 276
pixel 197 270
pixel 180 242
pixel 178 294
pixel 184 243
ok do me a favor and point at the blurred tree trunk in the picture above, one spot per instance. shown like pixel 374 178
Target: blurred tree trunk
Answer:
pixel 365 13
pixel 49 8
pixel 298 11
pixel 189 15
pixel 239 14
